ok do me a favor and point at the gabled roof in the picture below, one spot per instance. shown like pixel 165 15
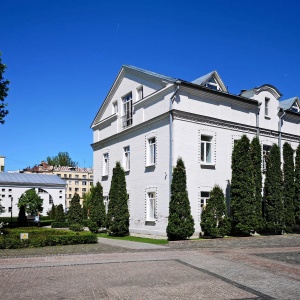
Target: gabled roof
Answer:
pixel 20 178
pixel 288 103
pixel 204 79
pixel 265 87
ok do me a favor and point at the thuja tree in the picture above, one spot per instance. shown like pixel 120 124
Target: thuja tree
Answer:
pixel 117 222
pixel 52 212
pixel 75 210
pixel 297 185
pixel 255 149
pixel 97 208
pixel 273 192
pixel 214 220
pixel 288 187
pixel 86 205
pixel 244 215
pixel 180 222
pixel 22 219
pixel 60 214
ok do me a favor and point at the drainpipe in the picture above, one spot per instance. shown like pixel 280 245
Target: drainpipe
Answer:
pixel 279 129
pixel 173 97
pixel 257 119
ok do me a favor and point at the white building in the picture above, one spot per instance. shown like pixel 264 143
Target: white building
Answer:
pixel 50 188
pixel 149 120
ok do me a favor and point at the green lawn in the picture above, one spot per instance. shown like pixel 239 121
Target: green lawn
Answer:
pixel 135 239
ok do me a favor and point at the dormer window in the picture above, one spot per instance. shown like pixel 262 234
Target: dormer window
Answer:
pixel 267 100
pixel 295 107
pixel 212 84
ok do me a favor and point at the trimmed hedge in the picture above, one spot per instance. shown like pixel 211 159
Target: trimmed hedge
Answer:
pixel 57 224
pixel 44 237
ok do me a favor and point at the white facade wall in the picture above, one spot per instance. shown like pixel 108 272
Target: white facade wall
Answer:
pixel 195 112
pixel 14 192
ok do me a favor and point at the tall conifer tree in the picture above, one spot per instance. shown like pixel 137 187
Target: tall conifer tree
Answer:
pixel 75 210
pixel 297 185
pixel 97 208
pixel 244 218
pixel 180 223
pixel 214 220
pixel 118 214
pixel 273 192
pixel 255 149
pixel 289 187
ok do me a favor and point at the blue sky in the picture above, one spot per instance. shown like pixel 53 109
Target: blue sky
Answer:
pixel 63 56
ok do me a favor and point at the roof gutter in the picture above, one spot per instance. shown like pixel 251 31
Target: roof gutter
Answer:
pixel 171 118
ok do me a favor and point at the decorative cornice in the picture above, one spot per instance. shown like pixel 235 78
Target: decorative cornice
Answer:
pixel 106 121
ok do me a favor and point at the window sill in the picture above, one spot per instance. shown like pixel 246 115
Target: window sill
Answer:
pixel 267 117
pixel 207 166
pixel 150 166
pixel 150 222
pixel 127 171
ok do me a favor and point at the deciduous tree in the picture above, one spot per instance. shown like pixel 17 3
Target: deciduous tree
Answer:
pixel 61 159
pixel 31 201
pixel 180 222
pixel 3 92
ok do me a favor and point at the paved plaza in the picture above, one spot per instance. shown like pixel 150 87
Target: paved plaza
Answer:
pixel 233 268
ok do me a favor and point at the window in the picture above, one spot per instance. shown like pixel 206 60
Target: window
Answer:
pixel 105 164
pixel 65 175
pixel 9 190
pixel 83 182
pixel 60 197
pixel 60 191
pixel 115 107
pixel 76 176
pixel 76 189
pixel 9 209
pixel 70 182
pixel 151 155
pixel 58 175
pixel 76 182
pixel 267 106
pixel 83 176
pixel 70 189
pixel 70 175
pixel 126 158
pixel 203 199
pixel 151 207
pixel 9 196
pixel 127 110
pixel 106 201
pixel 140 93
pixel 266 151
pixel 2 196
pixel 3 190
pixel 50 200
pixel 212 84
pixel 84 189
pixel 70 195
pixel 206 149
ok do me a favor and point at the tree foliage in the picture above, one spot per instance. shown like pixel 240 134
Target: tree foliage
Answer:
pixel 273 192
pixel 180 223
pixel 60 214
pixel 288 187
pixel 245 217
pixel 22 219
pixel 75 210
pixel 31 201
pixel 118 214
pixel 52 212
pixel 214 220
pixel 61 159
pixel 2 210
pixel 86 204
pixel 3 92
pixel 97 208
pixel 255 149
pixel 297 185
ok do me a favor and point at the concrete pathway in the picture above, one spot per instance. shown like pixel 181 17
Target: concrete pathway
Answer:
pixel 129 244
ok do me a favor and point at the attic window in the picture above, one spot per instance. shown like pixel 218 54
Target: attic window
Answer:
pixel 212 84
pixel 295 108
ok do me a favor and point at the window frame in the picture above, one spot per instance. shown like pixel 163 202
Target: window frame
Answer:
pixel 267 107
pixel 203 149
pixel 115 107
pixel 151 214
pixel 105 159
pixel 151 151
pixel 127 110
pixel 126 158
pixel 140 92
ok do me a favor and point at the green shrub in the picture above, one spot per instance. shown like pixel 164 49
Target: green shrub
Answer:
pixel 76 227
pixel 57 224
pixel 93 227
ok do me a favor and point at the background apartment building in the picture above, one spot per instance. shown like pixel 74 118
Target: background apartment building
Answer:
pixel 78 180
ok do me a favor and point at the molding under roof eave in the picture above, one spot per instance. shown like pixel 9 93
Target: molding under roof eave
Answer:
pixel 225 94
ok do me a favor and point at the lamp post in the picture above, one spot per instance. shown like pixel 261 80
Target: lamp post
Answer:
pixel 11 206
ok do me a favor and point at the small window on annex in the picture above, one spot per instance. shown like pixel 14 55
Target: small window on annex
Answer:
pixel 151 206
pixel 204 196
pixel 206 149
pixel 151 155
pixel 267 100
pixel 126 158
